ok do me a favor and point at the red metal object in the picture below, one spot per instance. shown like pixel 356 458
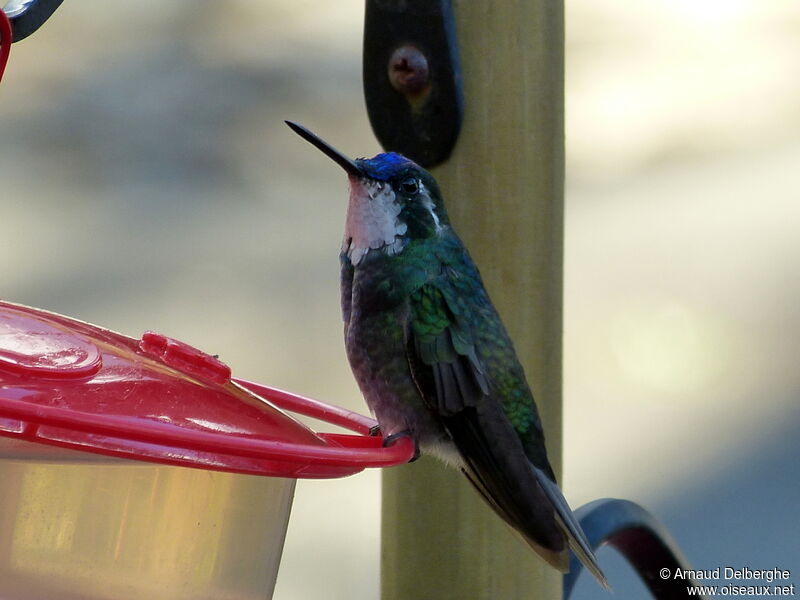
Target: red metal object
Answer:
pixel 5 41
pixel 71 384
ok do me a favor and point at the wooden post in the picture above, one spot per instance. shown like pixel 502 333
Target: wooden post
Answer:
pixel 503 187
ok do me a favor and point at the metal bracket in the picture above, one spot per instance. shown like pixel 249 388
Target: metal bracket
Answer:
pixel 640 538
pixel 412 77
pixel 26 16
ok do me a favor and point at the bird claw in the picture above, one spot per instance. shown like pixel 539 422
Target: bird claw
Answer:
pixel 392 438
pixel 374 430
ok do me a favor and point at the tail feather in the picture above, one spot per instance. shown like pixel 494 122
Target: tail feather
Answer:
pixel 577 540
pixel 558 559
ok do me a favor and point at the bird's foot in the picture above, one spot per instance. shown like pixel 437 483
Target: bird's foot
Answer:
pixel 392 438
pixel 374 430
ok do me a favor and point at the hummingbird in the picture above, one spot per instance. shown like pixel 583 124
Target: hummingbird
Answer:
pixel 431 355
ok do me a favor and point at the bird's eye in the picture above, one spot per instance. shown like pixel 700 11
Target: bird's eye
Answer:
pixel 410 186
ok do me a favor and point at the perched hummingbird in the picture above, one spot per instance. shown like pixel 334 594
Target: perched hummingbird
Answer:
pixel 431 355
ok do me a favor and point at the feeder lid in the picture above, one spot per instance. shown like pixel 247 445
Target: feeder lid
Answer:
pixel 71 384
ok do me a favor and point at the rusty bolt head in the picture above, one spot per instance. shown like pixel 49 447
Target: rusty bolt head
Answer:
pixel 408 71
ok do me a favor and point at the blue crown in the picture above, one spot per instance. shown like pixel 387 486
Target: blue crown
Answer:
pixel 385 166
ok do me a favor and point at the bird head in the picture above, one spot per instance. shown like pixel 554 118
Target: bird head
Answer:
pixel 393 201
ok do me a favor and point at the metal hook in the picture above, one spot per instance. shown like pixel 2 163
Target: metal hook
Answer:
pixel 26 16
pixel 640 538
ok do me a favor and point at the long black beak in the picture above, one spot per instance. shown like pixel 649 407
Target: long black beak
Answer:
pixel 346 163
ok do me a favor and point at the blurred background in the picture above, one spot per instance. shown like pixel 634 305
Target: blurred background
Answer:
pixel 149 183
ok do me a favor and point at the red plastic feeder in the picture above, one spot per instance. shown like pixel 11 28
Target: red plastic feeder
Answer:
pixel 76 525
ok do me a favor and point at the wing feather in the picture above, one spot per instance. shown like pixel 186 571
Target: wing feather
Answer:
pixel 454 384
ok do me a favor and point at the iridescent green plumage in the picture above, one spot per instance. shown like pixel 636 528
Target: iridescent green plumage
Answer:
pixel 432 357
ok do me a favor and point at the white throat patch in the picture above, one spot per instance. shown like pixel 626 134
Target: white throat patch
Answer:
pixel 427 202
pixel 372 220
